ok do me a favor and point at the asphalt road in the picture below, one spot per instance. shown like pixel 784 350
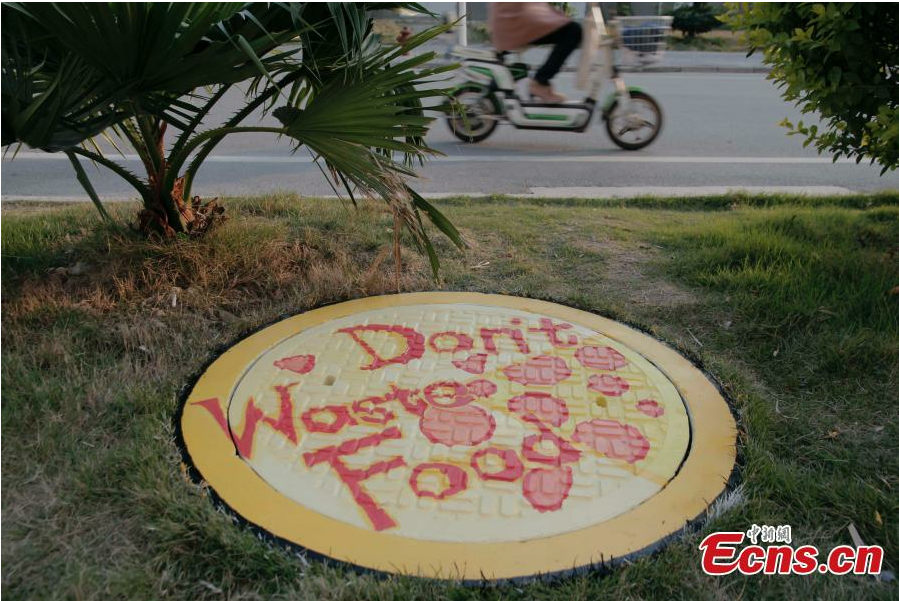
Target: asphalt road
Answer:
pixel 721 129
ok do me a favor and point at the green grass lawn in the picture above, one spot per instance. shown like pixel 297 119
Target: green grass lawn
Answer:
pixel 791 303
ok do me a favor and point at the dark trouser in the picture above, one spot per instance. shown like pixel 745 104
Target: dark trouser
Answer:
pixel 565 40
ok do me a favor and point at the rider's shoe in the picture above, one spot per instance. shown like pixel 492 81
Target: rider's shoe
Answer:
pixel 544 92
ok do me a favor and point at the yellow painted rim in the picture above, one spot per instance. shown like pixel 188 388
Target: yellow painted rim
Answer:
pixel 702 477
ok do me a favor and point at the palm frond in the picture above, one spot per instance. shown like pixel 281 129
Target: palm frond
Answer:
pixel 75 71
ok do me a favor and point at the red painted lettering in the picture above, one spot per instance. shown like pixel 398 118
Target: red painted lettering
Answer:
pixel 552 332
pixel 515 334
pixel 354 477
pixel 414 344
pixel 408 399
pixel 562 451
pixel 455 480
pixel 511 469
pixel 448 394
pixel 367 410
pixel 328 420
pixel 463 342
pixel 252 416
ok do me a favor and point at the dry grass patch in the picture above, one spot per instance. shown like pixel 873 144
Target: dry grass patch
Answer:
pixel 243 262
pixel 630 269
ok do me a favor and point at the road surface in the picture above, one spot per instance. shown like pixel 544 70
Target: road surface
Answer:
pixel 721 131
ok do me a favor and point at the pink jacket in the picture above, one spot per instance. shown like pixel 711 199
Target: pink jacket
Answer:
pixel 516 24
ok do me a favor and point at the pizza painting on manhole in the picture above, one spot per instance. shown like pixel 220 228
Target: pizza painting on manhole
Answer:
pixel 458 435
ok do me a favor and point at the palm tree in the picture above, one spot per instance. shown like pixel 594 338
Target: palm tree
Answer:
pixel 135 73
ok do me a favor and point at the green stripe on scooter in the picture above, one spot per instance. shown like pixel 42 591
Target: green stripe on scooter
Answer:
pixel 547 117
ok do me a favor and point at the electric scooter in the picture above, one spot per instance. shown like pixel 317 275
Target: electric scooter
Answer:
pixel 633 119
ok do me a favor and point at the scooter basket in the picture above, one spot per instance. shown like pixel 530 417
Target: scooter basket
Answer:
pixel 641 40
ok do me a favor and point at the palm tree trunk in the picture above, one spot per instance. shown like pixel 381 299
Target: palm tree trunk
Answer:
pixel 167 213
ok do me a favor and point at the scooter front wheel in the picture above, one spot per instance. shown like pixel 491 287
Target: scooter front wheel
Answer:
pixel 636 126
pixel 474 114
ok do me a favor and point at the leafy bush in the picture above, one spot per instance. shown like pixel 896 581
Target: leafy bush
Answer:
pixel 839 61
pixel 694 19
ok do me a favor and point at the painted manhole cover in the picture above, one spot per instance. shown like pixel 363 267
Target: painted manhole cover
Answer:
pixel 457 435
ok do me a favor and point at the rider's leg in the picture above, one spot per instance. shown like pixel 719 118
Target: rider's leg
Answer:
pixel 565 40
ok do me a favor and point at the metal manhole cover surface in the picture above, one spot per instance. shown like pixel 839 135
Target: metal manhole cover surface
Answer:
pixel 459 435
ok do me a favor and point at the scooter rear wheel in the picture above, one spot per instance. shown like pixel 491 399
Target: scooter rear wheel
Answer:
pixel 479 118
pixel 639 127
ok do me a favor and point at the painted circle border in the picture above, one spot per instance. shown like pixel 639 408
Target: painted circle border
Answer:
pixel 702 477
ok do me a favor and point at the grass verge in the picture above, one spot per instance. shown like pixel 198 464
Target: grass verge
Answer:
pixel 791 303
pixel 718 40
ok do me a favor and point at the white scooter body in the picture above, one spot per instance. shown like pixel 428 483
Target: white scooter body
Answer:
pixel 488 94
pixel 486 68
